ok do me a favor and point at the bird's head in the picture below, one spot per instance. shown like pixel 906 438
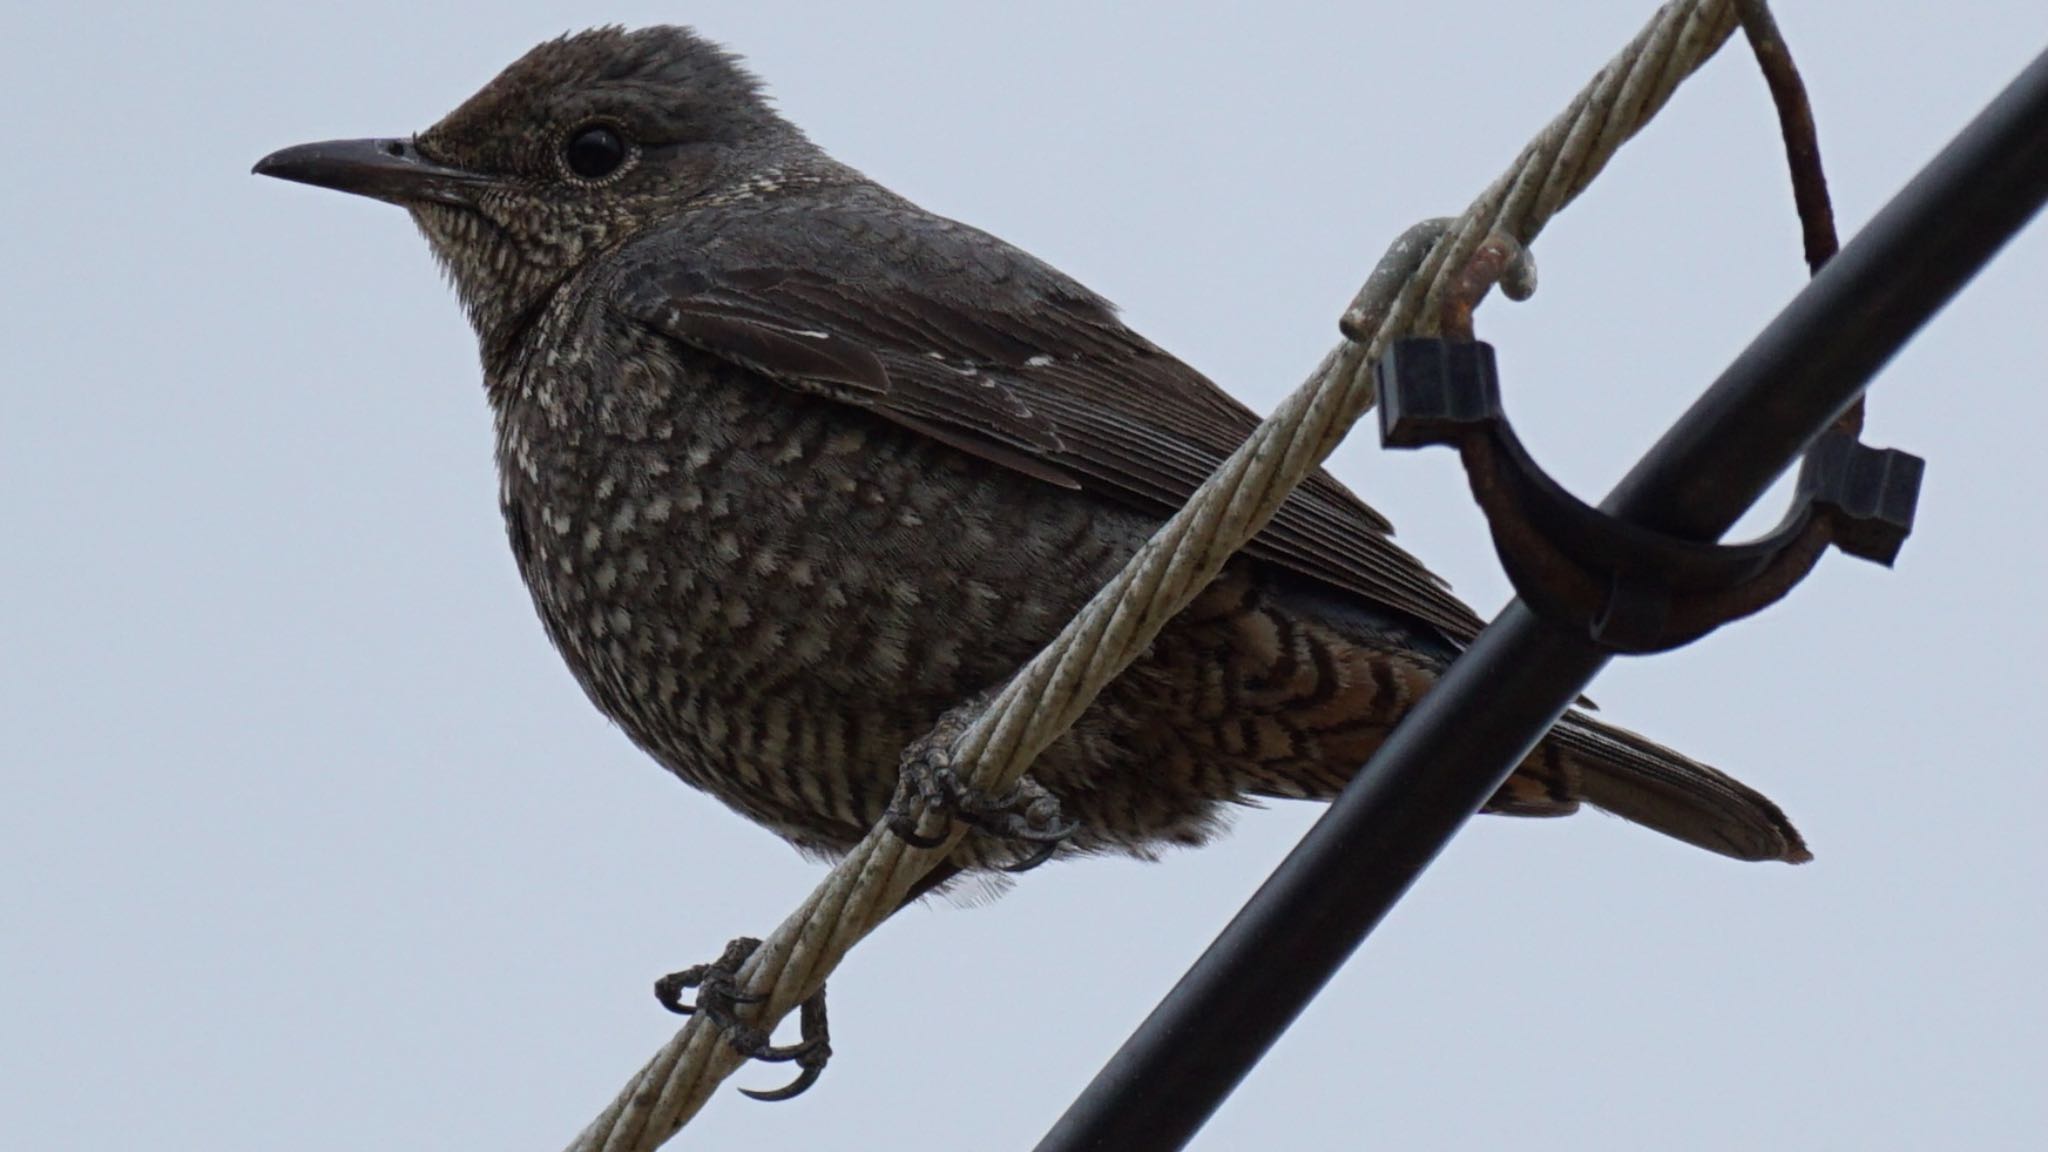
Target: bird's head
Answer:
pixel 577 146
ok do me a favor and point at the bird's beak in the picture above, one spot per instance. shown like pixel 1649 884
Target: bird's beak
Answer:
pixel 391 170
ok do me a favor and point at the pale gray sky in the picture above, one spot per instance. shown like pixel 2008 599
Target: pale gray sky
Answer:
pixel 308 841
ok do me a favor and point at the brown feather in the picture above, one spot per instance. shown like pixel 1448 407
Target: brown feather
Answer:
pixel 1053 386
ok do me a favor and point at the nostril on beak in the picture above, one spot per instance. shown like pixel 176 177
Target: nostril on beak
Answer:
pixel 384 168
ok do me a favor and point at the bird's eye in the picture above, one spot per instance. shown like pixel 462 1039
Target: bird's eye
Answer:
pixel 594 152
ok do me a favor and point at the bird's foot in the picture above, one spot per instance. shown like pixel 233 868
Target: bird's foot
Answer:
pixel 1025 813
pixel 719 994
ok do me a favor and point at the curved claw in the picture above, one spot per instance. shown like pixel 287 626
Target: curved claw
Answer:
pixel 716 979
pixel 719 994
pixel 669 991
pixel 810 1054
pixel 1024 812
pixel 1044 852
pixel 905 829
pixel 791 1090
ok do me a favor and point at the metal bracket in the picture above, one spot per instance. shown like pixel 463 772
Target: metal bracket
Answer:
pixel 1631 589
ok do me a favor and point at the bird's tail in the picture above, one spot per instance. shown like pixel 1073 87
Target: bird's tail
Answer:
pixel 1649 784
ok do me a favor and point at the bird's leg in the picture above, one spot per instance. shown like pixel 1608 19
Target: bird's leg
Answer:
pixel 1025 813
pixel 718 994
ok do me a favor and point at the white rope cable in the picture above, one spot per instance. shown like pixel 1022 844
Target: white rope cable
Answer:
pixel 996 745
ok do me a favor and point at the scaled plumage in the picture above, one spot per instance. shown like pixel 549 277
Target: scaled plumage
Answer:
pixel 791 466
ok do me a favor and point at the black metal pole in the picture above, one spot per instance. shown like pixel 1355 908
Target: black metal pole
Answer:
pixel 1503 693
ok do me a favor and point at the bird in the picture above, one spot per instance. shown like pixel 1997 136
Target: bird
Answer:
pixel 796 472
pixel 793 468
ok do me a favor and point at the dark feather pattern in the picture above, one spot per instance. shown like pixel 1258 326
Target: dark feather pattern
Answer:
pixel 987 349
pixel 794 469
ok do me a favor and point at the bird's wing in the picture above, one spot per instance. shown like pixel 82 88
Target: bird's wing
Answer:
pixel 952 333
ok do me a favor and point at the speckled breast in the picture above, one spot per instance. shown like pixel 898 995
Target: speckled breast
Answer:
pixel 771 593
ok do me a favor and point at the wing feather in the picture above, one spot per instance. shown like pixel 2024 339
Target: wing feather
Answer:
pixel 951 333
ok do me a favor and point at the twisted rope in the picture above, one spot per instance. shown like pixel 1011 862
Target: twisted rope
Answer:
pixel 1043 700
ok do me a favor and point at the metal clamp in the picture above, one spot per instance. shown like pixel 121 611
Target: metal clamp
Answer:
pixel 1632 589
